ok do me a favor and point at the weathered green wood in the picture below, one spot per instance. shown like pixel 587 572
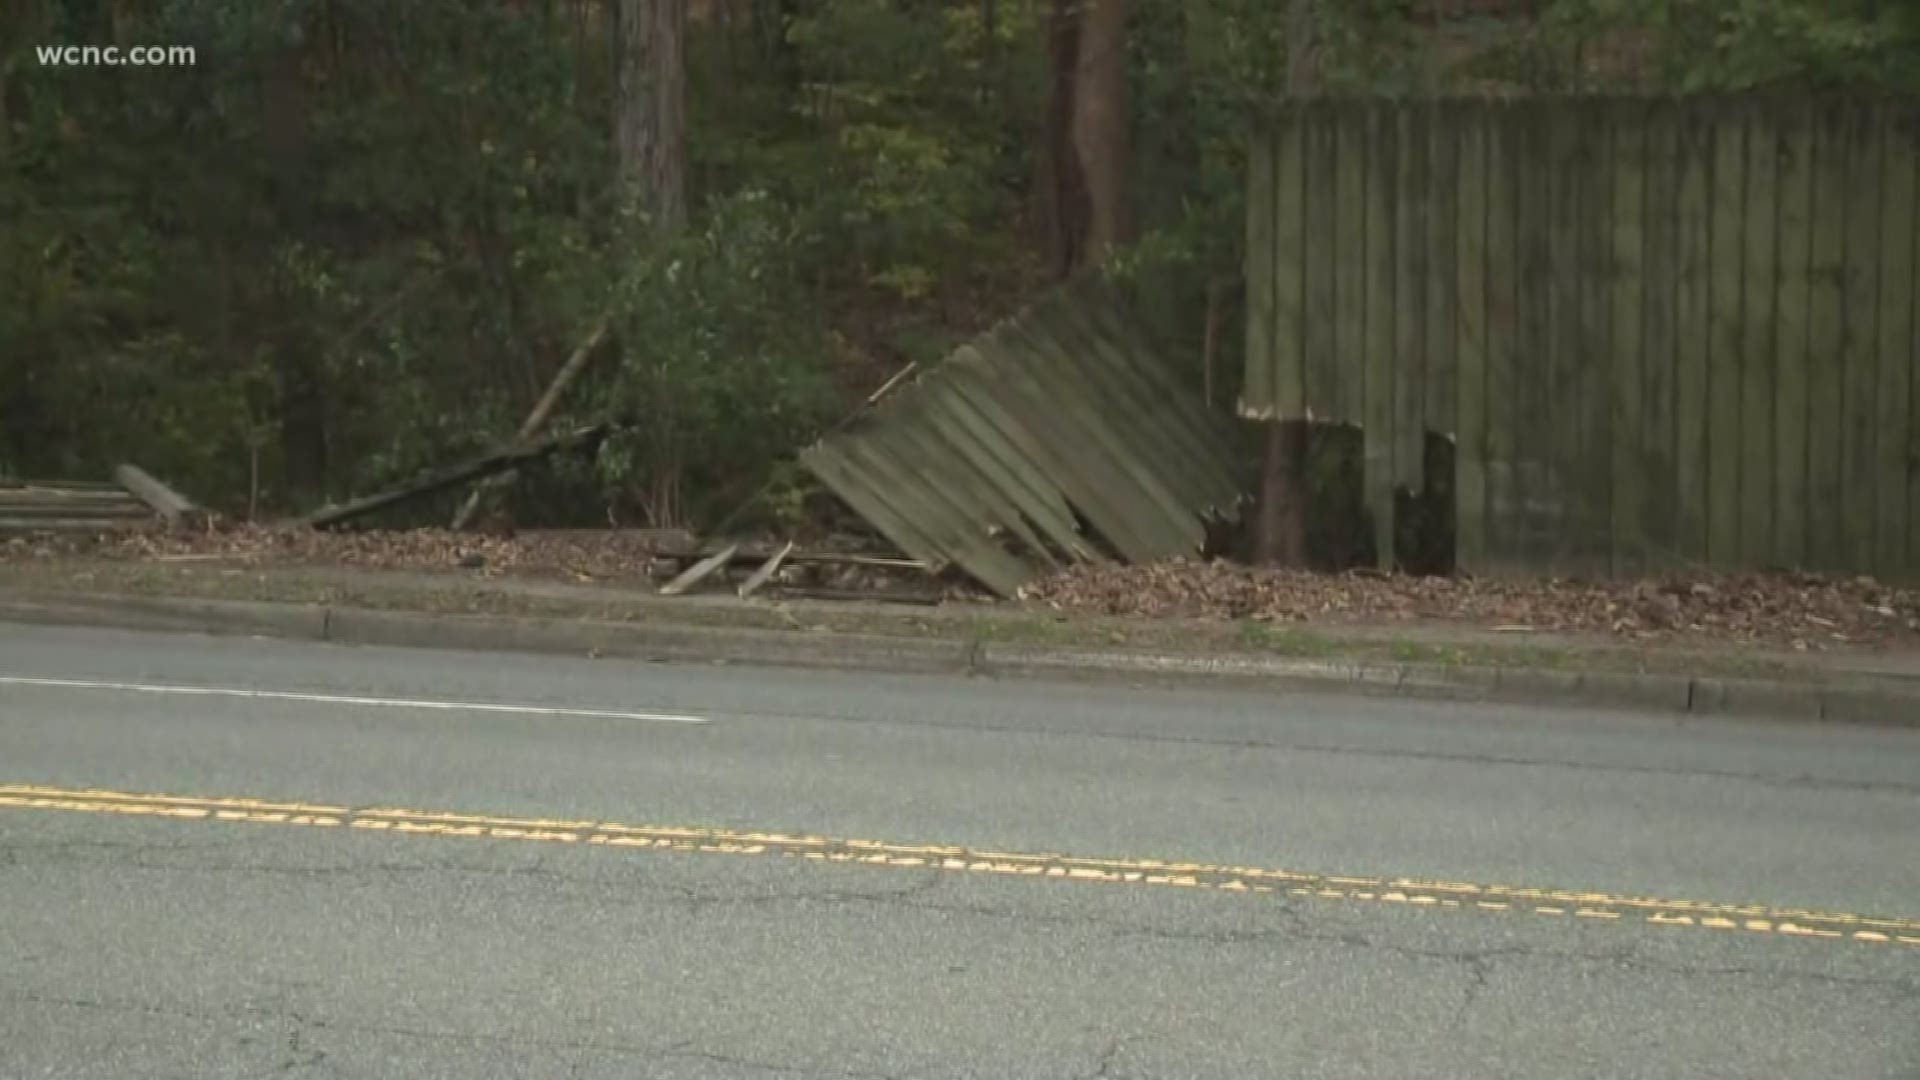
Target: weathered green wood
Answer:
pixel 1503 330
pixel 1565 357
pixel 1265 246
pixel 1155 515
pixel 1757 350
pixel 1723 377
pixel 1444 133
pixel 1693 332
pixel 1859 335
pixel 1023 481
pixel 1348 358
pixel 830 463
pixel 1826 357
pixel 1590 455
pixel 941 512
pixel 1107 309
pixel 1896 319
pixel 1532 386
pixel 1793 146
pixel 979 384
pixel 1659 505
pixel 1409 314
pixel 1088 476
pixel 968 478
pixel 1096 353
pixel 1322 208
pixel 1289 271
pixel 1627 337
pixel 1382 171
pixel 1909 133
pixel 1470 327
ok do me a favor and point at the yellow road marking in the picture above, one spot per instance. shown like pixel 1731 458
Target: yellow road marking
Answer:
pixel 1759 918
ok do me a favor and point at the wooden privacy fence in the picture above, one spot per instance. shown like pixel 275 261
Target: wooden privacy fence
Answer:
pixel 1656 331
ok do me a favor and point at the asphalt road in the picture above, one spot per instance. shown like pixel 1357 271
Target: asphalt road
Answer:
pixel 748 873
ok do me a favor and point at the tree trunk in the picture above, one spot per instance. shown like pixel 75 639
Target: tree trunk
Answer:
pixel 1087 161
pixel 650 109
pixel 1065 208
pixel 1281 526
pixel 1100 125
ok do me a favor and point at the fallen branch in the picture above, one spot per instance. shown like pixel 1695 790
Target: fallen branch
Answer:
pixel 497 462
pixel 541 410
pixel 767 569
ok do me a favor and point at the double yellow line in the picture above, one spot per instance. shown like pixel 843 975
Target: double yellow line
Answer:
pixel 1400 891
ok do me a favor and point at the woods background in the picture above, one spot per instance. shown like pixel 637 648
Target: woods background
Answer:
pixel 361 237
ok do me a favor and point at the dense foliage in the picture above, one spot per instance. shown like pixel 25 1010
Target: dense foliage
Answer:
pixel 357 237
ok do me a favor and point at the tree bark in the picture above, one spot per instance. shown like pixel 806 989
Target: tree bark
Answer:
pixel 1088 159
pixel 1280 537
pixel 1100 136
pixel 1065 203
pixel 650 109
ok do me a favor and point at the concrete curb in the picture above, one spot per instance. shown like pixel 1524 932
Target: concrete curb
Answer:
pixel 1855 700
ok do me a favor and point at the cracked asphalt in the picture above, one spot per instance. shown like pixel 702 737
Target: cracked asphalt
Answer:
pixel 154 947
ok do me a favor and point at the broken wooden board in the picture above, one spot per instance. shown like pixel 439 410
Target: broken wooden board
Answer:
pixel 699 571
pixel 176 509
pixel 767 570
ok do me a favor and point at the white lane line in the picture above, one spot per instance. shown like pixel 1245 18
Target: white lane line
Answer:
pixel 347 699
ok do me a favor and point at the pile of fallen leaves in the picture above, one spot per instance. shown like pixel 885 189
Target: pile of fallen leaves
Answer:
pixel 1796 610
pixel 597 556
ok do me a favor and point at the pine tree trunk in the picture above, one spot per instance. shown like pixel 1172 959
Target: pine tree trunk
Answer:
pixel 650 109
pixel 1088 155
pixel 1100 122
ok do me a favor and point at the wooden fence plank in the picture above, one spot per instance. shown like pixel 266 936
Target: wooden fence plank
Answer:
pixel 1502 328
pixel 1585 370
pixel 1859 335
pixel 1793 148
pixel 1566 345
pixel 1470 325
pixel 1264 247
pixel 1627 467
pixel 1321 269
pixel 1346 362
pixel 1826 356
pixel 1659 507
pixel 1532 369
pixel 1290 269
pixel 1410 323
pixel 1382 172
pixel 1910 134
pixel 1723 375
pixel 1693 328
pixel 1896 345
pixel 1442 306
pixel 1757 313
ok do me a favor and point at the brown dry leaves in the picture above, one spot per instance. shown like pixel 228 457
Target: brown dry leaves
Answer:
pixel 581 556
pixel 1799 611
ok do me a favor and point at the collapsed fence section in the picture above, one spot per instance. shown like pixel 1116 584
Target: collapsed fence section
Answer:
pixel 1059 437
